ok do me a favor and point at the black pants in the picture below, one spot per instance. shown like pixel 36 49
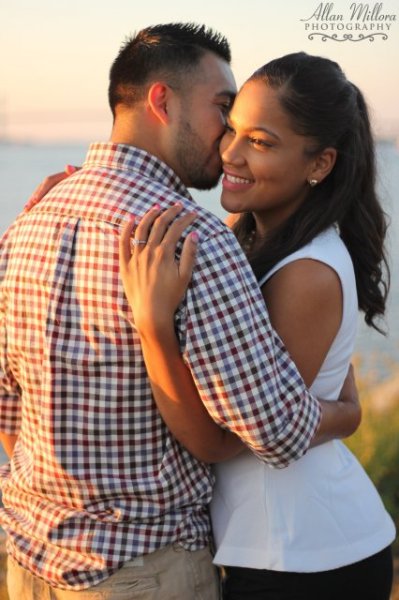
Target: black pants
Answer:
pixel 369 579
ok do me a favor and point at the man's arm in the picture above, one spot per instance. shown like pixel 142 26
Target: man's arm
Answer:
pixel 181 407
pixel 174 389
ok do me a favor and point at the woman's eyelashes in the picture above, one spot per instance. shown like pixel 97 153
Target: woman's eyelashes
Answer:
pixel 255 141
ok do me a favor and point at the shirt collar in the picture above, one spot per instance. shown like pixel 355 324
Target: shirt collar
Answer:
pixel 123 157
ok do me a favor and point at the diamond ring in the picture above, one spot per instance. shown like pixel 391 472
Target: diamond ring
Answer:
pixel 137 242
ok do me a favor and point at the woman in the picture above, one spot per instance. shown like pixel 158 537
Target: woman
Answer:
pixel 299 170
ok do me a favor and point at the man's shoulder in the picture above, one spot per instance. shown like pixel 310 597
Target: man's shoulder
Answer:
pixel 220 256
pixel 216 239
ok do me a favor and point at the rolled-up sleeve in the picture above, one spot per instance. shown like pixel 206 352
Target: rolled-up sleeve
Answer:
pixel 245 377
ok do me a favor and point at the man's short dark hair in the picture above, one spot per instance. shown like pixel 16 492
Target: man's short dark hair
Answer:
pixel 168 51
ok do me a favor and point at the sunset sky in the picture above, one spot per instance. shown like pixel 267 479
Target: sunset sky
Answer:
pixel 55 56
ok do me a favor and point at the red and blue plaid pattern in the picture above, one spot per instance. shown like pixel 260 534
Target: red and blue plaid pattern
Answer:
pixel 96 478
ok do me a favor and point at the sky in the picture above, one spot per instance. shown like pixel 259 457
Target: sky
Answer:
pixel 56 55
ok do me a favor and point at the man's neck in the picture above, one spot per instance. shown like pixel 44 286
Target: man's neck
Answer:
pixel 130 132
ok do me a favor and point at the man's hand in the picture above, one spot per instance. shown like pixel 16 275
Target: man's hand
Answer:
pixel 46 185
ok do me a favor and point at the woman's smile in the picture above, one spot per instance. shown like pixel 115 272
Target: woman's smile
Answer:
pixel 235 183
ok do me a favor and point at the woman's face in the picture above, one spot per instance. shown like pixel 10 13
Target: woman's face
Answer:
pixel 264 161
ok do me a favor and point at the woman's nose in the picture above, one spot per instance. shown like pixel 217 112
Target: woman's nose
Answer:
pixel 231 152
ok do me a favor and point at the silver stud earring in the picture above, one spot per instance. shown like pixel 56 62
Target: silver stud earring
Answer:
pixel 312 182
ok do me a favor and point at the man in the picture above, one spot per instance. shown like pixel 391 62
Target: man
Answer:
pixel 99 498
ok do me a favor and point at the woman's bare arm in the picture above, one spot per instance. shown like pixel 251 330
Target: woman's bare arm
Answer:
pixel 148 272
pixel 304 301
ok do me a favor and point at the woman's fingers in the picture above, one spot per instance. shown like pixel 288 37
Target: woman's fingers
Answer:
pixel 144 227
pixel 175 231
pixel 47 184
pixel 124 244
pixel 154 224
pixel 188 256
pixel 153 280
pixel 69 169
pixel 157 227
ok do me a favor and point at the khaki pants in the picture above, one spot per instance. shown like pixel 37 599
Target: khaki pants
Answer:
pixel 171 573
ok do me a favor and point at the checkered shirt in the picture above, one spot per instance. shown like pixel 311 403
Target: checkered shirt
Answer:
pixel 96 478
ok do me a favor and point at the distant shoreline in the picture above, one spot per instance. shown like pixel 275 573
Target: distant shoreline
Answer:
pixel 383 140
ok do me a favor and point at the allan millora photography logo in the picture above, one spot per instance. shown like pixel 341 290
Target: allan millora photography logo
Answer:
pixel 360 21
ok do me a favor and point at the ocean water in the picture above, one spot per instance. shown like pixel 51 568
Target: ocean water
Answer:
pixel 22 167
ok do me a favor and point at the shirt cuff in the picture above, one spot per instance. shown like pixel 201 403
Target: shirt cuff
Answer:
pixel 294 438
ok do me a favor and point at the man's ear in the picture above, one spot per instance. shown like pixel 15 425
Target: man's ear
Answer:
pixel 158 98
pixel 323 164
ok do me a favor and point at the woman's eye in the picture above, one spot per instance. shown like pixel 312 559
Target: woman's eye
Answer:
pixel 260 142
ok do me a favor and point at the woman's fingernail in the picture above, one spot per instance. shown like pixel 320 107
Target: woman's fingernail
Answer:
pixel 156 207
pixel 69 169
pixel 194 237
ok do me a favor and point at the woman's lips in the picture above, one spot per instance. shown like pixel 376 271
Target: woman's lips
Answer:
pixel 235 183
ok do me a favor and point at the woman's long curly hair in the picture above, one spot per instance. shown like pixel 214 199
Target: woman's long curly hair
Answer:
pixel 325 107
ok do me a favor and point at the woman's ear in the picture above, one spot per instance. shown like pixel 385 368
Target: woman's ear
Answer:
pixel 323 165
pixel 158 98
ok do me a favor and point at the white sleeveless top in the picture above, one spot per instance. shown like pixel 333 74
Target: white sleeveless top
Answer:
pixel 322 512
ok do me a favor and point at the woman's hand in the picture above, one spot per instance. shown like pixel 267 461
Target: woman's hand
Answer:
pixel 154 282
pixel 47 184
